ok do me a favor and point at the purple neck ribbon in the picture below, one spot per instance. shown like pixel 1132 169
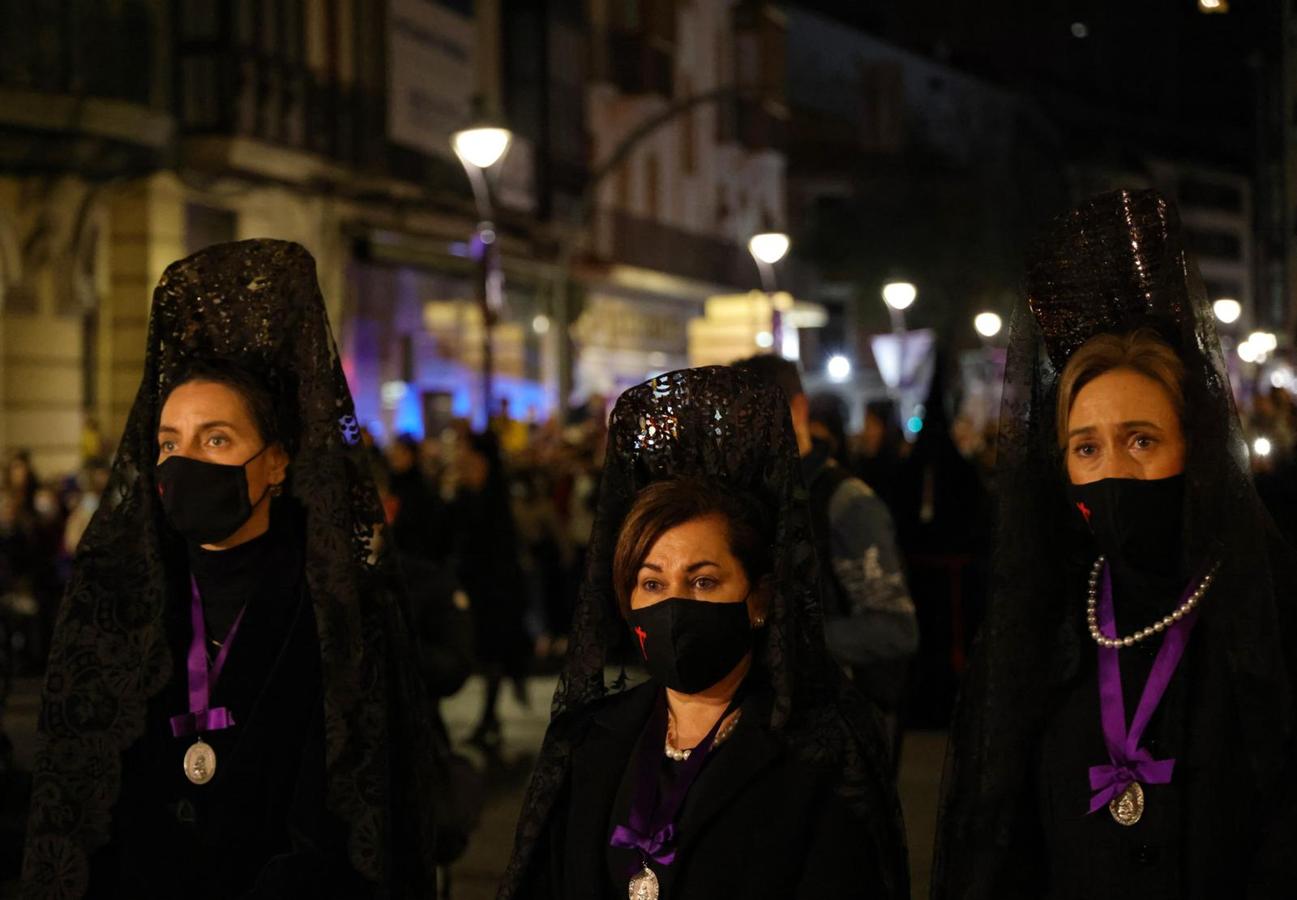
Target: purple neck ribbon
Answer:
pixel 1130 762
pixel 202 680
pixel 652 826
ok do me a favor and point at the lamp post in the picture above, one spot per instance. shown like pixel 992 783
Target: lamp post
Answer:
pixel 479 149
pixel 899 296
pixel 767 249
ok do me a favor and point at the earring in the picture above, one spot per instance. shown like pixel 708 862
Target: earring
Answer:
pixel 759 622
pixel 276 489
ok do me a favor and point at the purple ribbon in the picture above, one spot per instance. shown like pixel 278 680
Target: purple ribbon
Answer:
pixel 652 829
pixel 202 680
pixel 658 846
pixel 1130 762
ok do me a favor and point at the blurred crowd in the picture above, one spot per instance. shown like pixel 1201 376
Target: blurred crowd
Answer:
pixel 490 529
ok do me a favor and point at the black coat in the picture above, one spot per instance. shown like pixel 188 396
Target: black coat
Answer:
pixel 260 828
pixel 756 824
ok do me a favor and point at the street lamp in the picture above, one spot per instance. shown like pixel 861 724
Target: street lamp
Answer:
pixel 1227 310
pixel 767 249
pixel 1264 341
pixel 899 295
pixel 988 324
pixel 479 149
pixel 838 368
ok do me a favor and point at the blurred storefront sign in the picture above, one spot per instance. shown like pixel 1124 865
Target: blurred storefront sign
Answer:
pixel 737 325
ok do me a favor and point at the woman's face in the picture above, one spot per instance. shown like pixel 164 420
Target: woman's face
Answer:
pixel 210 422
pixel 694 561
pixel 1123 425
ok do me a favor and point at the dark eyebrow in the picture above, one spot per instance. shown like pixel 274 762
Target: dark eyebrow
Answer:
pixel 1134 423
pixel 692 568
pixel 167 429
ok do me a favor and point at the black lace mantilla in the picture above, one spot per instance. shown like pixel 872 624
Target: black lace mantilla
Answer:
pixel 257 303
pixel 1109 266
pixel 722 424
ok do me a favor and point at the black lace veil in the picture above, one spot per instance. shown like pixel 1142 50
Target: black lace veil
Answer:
pixel 722 424
pixel 1111 265
pixel 256 303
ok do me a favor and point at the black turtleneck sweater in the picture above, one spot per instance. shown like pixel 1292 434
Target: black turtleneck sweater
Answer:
pixel 227 579
pixel 260 828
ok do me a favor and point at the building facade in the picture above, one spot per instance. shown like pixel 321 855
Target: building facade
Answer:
pixel 133 133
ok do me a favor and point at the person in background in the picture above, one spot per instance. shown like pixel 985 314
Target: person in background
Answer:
pixel 487 564
pixel 870 623
pixel 828 424
pixel 420 527
pixel 879 449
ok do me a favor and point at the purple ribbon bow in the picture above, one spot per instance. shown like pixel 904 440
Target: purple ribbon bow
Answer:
pixel 652 826
pixel 201 719
pixel 658 846
pixel 1130 762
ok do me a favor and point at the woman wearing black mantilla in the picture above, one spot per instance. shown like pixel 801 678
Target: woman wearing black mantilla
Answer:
pixel 745 766
pixel 231 707
pixel 1126 728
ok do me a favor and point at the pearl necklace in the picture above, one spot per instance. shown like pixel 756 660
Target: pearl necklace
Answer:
pixel 1092 615
pixel 725 731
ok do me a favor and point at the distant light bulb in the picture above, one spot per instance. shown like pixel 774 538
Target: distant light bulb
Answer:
pixel 769 247
pixel 988 324
pixel 1248 352
pixel 899 294
pixel 1261 446
pixel 839 368
pixel 1080 30
pixel 1227 310
pixel 1264 341
pixel 481 147
pixel 765 340
pixel 540 324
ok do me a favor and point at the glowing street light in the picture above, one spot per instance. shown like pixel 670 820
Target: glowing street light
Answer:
pixel 1227 310
pixel 838 368
pixel 1248 352
pixel 1261 446
pixel 899 295
pixel 769 247
pixel 481 147
pixel 1264 341
pixel 988 324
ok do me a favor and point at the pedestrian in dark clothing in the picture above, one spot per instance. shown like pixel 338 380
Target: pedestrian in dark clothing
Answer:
pixel 487 564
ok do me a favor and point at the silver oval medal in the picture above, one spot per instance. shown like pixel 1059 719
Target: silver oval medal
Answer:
pixel 200 762
pixel 644 886
pixel 1128 806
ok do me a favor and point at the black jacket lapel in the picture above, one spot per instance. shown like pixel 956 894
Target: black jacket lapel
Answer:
pixel 598 764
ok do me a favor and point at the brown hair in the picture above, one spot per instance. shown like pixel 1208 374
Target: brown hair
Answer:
pixel 1142 350
pixel 667 504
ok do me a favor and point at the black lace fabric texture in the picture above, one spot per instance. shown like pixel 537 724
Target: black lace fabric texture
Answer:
pixel 257 303
pixel 1113 264
pixel 719 423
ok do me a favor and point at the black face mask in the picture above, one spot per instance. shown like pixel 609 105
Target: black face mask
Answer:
pixel 689 645
pixel 1136 522
pixel 205 501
